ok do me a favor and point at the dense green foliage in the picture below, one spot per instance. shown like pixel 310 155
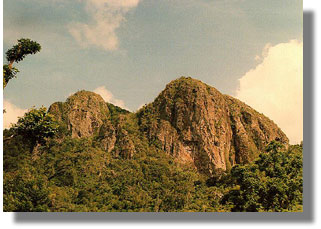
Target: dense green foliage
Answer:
pixel 8 74
pixel 68 174
pixel 16 54
pixel 74 175
pixel 36 125
pixel 24 47
pixel 274 182
pixel 115 111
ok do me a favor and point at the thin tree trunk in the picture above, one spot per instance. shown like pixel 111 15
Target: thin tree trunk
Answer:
pixel 32 146
pixel 10 64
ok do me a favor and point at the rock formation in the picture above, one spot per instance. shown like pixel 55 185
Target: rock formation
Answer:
pixel 83 113
pixel 86 114
pixel 189 120
pixel 194 122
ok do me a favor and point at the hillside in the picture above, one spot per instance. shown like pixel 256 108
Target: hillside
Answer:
pixel 195 122
pixel 189 120
pixel 178 153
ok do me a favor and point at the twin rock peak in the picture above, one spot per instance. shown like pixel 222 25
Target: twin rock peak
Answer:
pixel 189 120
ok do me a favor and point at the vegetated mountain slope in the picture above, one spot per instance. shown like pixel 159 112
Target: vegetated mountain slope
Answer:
pixel 189 120
pixel 173 154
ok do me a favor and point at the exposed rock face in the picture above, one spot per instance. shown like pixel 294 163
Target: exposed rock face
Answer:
pixel 126 147
pixel 251 130
pixel 111 136
pixel 108 136
pixel 189 120
pixel 194 122
pixel 83 113
pixel 86 114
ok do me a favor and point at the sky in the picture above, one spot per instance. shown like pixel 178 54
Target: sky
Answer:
pixel 128 50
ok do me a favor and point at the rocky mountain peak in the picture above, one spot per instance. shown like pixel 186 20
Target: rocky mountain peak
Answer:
pixel 195 122
pixel 83 112
pixel 189 120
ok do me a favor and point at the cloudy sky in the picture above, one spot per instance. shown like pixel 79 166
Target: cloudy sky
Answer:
pixel 128 50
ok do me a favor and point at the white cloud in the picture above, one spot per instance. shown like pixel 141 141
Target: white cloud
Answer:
pixel 12 113
pixel 107 16
pixel 109 97
pixel 264 53
pixel 275 87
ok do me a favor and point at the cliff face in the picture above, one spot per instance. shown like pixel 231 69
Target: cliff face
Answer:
pixel 189 120
pixel 83 113
pixel 251 131
pixel 86 114
pixel 195 122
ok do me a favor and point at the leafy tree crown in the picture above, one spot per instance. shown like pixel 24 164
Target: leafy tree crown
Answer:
pixel 37 124
pixel 24 47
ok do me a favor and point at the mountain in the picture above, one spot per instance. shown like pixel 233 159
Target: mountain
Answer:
pixel 86 114
pixel 192 149
pixel 189 120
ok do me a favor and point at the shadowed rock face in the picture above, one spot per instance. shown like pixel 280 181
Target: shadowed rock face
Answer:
pixel 189 120
pixel 251 131
pixel 195 122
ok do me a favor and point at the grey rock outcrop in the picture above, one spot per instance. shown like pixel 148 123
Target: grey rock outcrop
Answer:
pixel 194 122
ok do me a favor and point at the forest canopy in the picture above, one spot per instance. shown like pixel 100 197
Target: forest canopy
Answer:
pixel 77 175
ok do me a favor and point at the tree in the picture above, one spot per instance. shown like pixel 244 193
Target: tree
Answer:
pixel 272 183
pixel 36 125
pixel 25 190
pixel 16 54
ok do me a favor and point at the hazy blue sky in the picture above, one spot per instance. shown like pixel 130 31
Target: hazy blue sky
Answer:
pixel 129 50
